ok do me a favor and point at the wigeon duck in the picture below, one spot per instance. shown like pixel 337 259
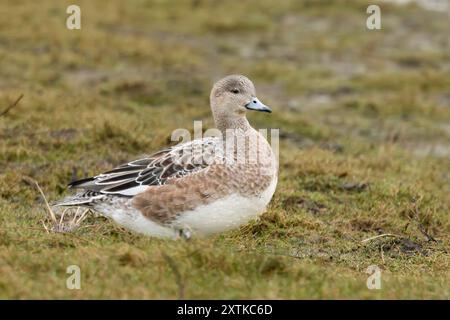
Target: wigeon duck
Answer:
pixel 200 187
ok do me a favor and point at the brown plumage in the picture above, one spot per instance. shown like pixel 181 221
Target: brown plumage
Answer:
pixel 233 177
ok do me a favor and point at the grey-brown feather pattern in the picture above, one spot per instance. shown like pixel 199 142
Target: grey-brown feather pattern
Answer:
pixel 154 170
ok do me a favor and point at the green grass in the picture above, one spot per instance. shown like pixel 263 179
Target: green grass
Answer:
pixel 365 145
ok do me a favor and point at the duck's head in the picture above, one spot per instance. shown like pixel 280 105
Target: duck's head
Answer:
pixel 232 96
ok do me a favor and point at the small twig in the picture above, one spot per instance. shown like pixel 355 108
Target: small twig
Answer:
pixel 49 209
pixel 82 217
pixel 62 217
pixel 45 227
pixel 74 219
pixel 4 112
pixel 380 236
pixel 382 254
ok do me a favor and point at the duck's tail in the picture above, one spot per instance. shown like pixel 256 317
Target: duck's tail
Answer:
pixel 82 199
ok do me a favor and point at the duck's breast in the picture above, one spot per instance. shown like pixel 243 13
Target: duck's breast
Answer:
pixel 227 213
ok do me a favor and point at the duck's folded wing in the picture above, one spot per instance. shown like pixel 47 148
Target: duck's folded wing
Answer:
pixel 175 162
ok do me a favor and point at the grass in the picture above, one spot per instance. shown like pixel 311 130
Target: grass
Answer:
pixel 365 145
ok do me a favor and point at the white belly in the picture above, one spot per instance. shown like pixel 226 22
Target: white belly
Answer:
pixel 225 214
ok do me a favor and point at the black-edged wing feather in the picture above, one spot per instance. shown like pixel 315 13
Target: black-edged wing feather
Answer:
pixel 135 177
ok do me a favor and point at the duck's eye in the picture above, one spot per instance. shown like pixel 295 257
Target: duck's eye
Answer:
pixel 235 91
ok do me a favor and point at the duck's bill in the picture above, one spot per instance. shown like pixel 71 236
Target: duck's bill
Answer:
pixel 257 105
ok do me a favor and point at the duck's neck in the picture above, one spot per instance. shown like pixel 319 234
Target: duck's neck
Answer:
pixel 224 123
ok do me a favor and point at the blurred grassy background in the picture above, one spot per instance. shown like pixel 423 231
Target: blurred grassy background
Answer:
pixel 365 144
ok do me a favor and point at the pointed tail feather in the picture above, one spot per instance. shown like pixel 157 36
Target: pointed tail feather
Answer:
pixel 81 183
pixel 84 199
